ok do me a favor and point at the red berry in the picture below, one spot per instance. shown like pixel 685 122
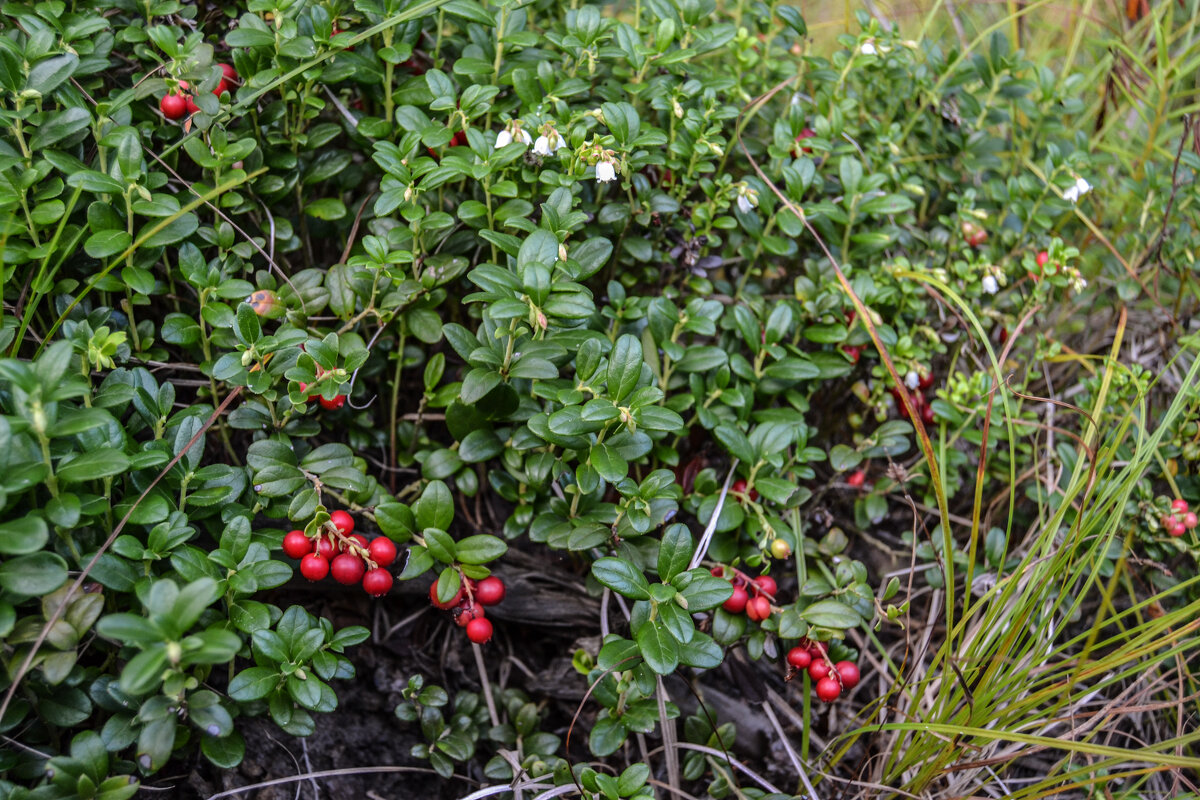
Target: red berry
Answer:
pixel 765 584
pixel 479 631
pixel 736 603
pixel 1176 529
pixel 451 603
pixel 927 414
pixel 739 488
pixel 173 106
pixel 490 591
pixel 229 72
pixel 828 690
pixel 297 545
pixel 852 352
pixel 819 668
pixel 334 404
pixel 325 548
pixel 857 478
pixel 459 139
pixel 465 614
pixel 342 521
pixel 313 567
pixel 926 380
pixel 758 608
pixel 377 582
pixel 974 234
pixel 1179 505
pixel 1042 258
pixel 807 133
pixel 799 658
pixel 818 649
pixel 221 88
pixel 718 572
pixel 1189 520
pixel 347 568
pixel 382 550
pixel 848 672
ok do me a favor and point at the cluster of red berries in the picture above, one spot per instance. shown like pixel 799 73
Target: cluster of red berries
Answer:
pixel 468 602
pixel 829 679
pixel 750 595
pixel 328 405
pixel 917 397
pixel 177 105
pixel 1180 519
pixel 974 234
pixel 739 489
pixel 345 555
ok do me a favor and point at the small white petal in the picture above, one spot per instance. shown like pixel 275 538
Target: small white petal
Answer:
pixel 868 48
pixel 912 380
pixel 605 172
pixel 503 139
pixel 542 146
pixel 989 284
pixel 744 204
pixel 523 137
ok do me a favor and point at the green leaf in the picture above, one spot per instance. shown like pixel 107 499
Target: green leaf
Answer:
pixel 254 683
pixel 327 208
pixel 144 671
pixel 102 462
pixel 622 577
pixel 129 629
pixel 851 172
pixel 702 652
pixel 702 590
pixel 831 614
pixel 606 737
pixel 624 367
pixel 34 574
pixel 887 204
pixel 842 458
pixel 608 462
pixel 540 248
pixel 59 126
pixel 440 544
pixel 50 73
pixel 735 442
pixel 480 549
pixel 675 551
pixel 25 535
pixel 658 647
pixel 225 752
pixel 107 243
pixel 435 508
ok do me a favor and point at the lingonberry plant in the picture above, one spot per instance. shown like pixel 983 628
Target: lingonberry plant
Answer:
pixel 706 321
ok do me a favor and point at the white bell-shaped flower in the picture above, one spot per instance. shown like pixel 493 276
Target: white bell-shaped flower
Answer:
pixel 606 171
pixel 1073 193
pixel 747 198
